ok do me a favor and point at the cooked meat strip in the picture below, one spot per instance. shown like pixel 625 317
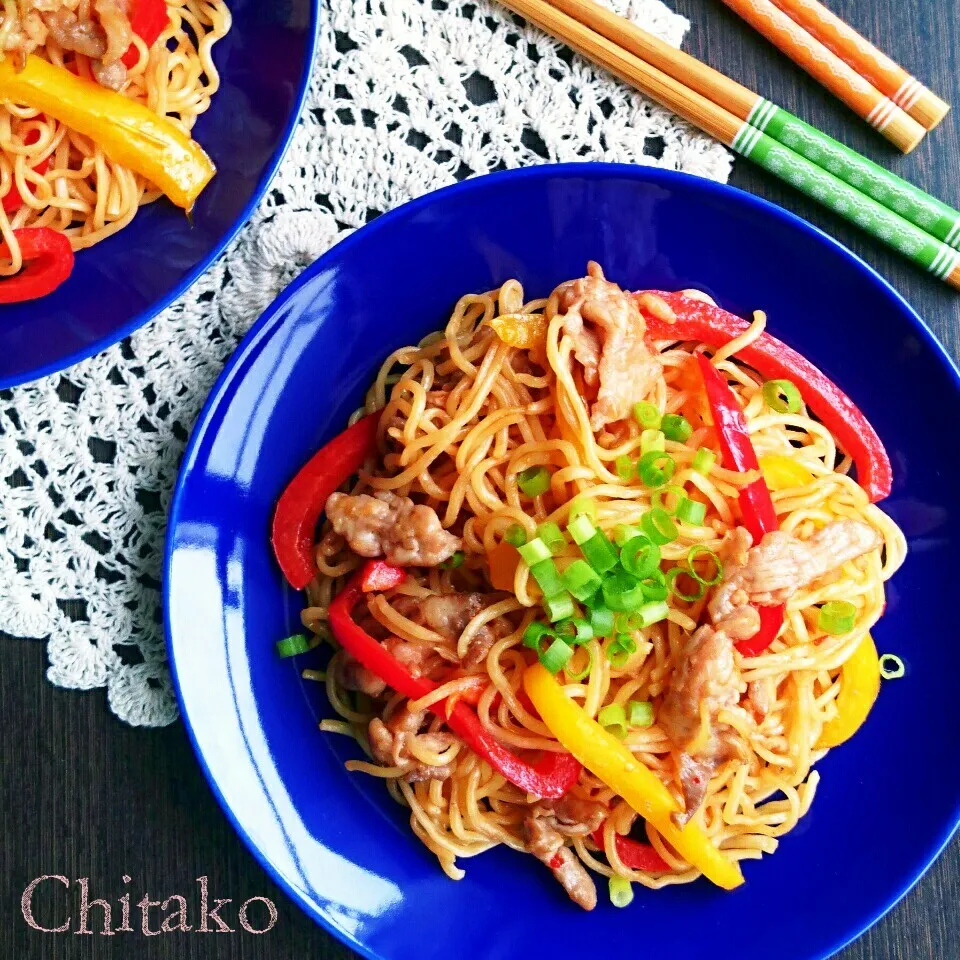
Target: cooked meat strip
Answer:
pixel 761 696
pixel 112 75
pixel 86 37
pixel 572 815
pixel 546 844
pixel 390 741
pixel 355 676
pixel 406 533
pixel 116 27
pixel 608 332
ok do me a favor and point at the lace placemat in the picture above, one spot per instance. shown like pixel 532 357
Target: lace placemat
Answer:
pixel 406 96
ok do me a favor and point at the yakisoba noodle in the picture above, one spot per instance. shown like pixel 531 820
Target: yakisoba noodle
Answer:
pixel 464 414
pixel 83 193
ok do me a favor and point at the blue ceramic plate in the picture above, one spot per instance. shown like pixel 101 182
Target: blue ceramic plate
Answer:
pixel 123 282
pixel 888 802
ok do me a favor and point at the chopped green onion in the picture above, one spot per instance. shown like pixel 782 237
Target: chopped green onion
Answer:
pixel 691 511
pixel 658 526
pixel 617 656
pixel 600 552
pixel 647 415
pixel 579 675
pixel 703 460
pixel 559 607
pixel 891 667
pixel 552 536
pixel 534 552
pixel 621 892
pixel 601 621
pixel 675 574
pixel 626 643
pixel 613 719
pixel 701 551
pixel 574 630
pixel 292 646
pixel 676 428
pixel 624 467
pixel 548 578
pixel 581 580
pixel 837 617
pixel 656 468
pixel 581 528
pixel 640 713
pixel 556 656
pixel 658 497
pixel 534 481
pixel 582 506
pixel 781 396
pixel 652 612
pixel 640 557
pixel 652 440
pixel 655 587
pixel 455 560
pixel 535 633
pixel 622 592
pixel 516 535
pixel 623 534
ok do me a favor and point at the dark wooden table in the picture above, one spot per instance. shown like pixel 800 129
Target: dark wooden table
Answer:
pixel 85 796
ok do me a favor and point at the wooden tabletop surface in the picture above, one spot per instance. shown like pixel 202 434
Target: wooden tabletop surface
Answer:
pixel 85 796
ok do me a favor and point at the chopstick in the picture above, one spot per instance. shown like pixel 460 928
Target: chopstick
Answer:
pixel 885 74
pixel 923 249
pixel 833 73
pixel 910 202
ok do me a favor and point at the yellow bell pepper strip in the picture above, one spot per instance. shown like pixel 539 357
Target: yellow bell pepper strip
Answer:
pixel 527 331
pixel 607 758
pixel 782 473
pixel 859 688
pixel 128 132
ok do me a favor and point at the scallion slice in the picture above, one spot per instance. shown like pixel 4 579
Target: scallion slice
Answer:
pixel 574 630
pixel 548 578
pixel 535 633
pixel 559 607
pixel 613 719
pixel 656 468
pixel 891 667
pixel 455 560
pixel 640 713
pixel 579 675
pixel 674 574
pixel 659 497
pixel 640 557
pixel 292 646
pixel 552 536
pixel 647 415
pixel 623 533
pixel 556 656
pixel 581 580
pixel 782 396
pixel 837 617
pixel 534 481
pixel 624 467
pixel 652 440
pixel 534 552
pixel 600 552
pixel 655 586
pixel 691 511
pixel 622 593
pixel 701 551
pixel 652 612
pixel 676 427
pixel 621 891
pixel 601 620
pixel 617 656
pixel 625 642
pixel 582 506
pixel 581 528
pixel 658 526
pixel 703 460
pixel 516 535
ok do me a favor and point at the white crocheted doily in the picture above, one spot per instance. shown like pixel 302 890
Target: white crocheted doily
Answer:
pixel 407 96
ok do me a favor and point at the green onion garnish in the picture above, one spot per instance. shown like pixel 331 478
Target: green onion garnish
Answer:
pixel 652 612
pixel 601 621
pixel 656 468
pixel 559 607
pixel 781 396
pixel 647 415
pixel 640 557
pixel 552 536
pixel 640 713
pixel 534 552
pixel 574 630
pixel 837 617
pixel 621 892
pixel 622 533
pixel 891 667
pixel 548 578
pixel 556 656
pixel 613 719
pixel 581 528
pixel 624 467
pixel 622 592
pixel 658 526
pixel 674 574
pixel 535 633
pixel 455 560
pixel 691 511
pixel 658 497
pixel 655 586
pixel 582 506
pixel 703 460
pixel 676 427
pixel 581 580
pixel 625 642
pixel 652 440
pixel 579 675
pixel 701 551
pixel 617 656
pixel 534 481
pixel 516 535
pixel 600 552
pixel 292 646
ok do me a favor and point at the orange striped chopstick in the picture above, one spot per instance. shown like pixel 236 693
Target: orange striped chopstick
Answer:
pixel 885 74
pixel 826 67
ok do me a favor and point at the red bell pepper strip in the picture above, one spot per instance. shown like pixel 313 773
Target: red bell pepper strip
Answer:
pixel 47 262
pixel 378 575
pixel 13 199
pixel 300 505
pixel 756 504
pixel 148 19
pixel 773 359
pixel 635 855
pixel 549 778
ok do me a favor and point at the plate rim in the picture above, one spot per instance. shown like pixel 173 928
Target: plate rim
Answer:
pixel 274 316
pixel 142 318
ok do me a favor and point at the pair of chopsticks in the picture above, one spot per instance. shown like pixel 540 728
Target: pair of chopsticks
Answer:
pixel 888 208
pixel 876 88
